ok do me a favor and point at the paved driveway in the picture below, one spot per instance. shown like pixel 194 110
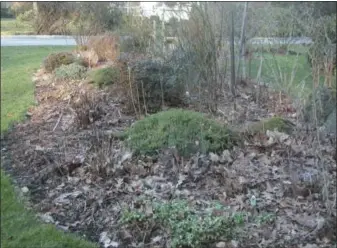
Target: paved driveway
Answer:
pixel 38 40
pixel 52 40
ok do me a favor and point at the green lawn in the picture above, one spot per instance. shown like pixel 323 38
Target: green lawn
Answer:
pixel 17 89
pixel 14 27
pixel 19 227
pixel 277 70
pixel 286 72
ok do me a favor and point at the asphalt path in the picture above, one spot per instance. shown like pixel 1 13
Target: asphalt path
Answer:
pixel 38 40
pixel 53 40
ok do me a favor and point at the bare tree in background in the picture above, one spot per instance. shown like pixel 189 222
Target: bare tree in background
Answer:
pixel 52 17
pixel 242 43
pixel 232 44
pixel 203 42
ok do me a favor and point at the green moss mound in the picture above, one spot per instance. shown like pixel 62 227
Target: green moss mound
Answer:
pixel 73 71
pixel 188 131
pixel 104 76
pixel 271 124
pixel 55 60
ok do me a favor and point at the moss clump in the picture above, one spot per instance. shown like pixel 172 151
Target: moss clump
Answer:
pixel 271 124
pixel 104 76
pixel 55 60
pixel 188 131
pixel 71 72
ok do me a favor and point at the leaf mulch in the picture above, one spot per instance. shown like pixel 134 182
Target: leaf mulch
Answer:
pixel 80 176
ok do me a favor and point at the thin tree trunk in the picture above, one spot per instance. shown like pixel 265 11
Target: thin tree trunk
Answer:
pixel 258 77
pixel 36 13
pixel 163 36
pixel 244 75
pixel 221 55
pixel 242 41
pixel 232 55
pixel 35 7
pixel 154 35
pixel 250 67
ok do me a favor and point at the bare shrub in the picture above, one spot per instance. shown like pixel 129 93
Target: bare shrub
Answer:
pixel 107 155
pixel 47 17
pixel 87 109
pixel 149 85
pixel 201 49
pixel 134 44
pixel 82 31
pixel 21 7
pixel 138 41
pixel 138 34
pixel 106 46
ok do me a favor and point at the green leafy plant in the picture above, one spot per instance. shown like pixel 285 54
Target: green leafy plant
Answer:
pixel 131 216
pixel 104 76
pixel 187 226
pixel 187 131
pixel 55 60
pixel 265 218
pixel 73 71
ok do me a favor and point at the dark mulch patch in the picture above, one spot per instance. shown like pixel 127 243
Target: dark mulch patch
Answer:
pixel 78 173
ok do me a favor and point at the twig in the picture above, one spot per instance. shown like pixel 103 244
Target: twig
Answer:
pixel 59 119
pixel 131 93
pixel 138 100
pixel 144 98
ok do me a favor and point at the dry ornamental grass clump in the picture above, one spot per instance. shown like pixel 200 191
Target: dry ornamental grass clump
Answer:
pixel 106 47
pixel 99 49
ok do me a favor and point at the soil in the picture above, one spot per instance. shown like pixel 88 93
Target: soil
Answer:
pixel 79 172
